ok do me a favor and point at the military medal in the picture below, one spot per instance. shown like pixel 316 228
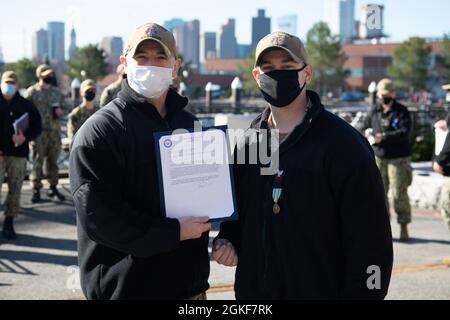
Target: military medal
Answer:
pixel 277 191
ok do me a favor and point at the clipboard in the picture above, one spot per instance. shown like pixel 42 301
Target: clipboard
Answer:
pixel 22 123
pixel 157 138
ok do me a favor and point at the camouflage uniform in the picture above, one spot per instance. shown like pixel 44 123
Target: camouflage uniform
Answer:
pixel 14 167
pixel 445 201
pixel 110 93
pixel 47 147
pixel 397 175
pixel 77 117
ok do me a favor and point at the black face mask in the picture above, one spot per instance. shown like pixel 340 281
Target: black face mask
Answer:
pixel 51 81
pixel 48 80
pixel 90 96
pixel 281 87
pixel 387 100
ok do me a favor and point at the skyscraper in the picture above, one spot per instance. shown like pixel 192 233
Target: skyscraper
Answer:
pixel 244 50
pixel 40 46
pixel 288 24
pixel 260 27
pixel 228 42
pixel 173 23
pixel 113 47
pixel 191 46
pixel 371 25
pixel 340 16
pixel 2 60
pixel 56 42
pixel 187 38
pixel 73 44
pixel 208 46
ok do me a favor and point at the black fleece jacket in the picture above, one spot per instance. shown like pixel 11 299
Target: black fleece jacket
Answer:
pixel 444 157
pixel 9 113
pixel 333 226
pixel 126 248
pixel 395 126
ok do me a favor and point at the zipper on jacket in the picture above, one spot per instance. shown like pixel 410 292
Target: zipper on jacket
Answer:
pixel 265 247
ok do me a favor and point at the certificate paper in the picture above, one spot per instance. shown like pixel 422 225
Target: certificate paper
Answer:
pixel 441 135
pixel 195 175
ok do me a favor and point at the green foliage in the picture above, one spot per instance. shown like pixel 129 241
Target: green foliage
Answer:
pixel 246 69
pixel 422 138
pixel 327 58
pixel 444 68
pixel 89 59
pixel 185 69
pixel 25 70
pixel 410 64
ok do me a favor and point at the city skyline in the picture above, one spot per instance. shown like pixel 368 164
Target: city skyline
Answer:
pixel 16 42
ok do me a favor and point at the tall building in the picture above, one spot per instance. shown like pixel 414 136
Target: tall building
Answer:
pixel 173 23
pixel 288 24
pixel 191 45
pixel 228 42
pixel 208 46
pixel 371 24
pixel 244 50
pixel 187 38
pixel 73 44
pixel 260 27
pixel 2 60
pixel 56 42
pixel 113 47
pixel 40 46
pixel 340 16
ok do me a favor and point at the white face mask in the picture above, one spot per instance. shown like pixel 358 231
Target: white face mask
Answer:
pixel 149 81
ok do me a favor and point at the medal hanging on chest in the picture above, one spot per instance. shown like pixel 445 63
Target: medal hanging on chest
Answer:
pixel 277 190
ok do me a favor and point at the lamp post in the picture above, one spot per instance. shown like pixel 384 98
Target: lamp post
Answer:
pixel 75 91
pixel 373 93
pixel 208 97
pixel 182 89
pixel 236 88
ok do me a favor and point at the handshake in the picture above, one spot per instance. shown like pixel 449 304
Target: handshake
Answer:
pixel 223 250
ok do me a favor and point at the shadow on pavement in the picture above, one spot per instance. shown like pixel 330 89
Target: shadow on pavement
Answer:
pixel 9 266
pixel 15 256
pixel 5 285
pixel 64 218
pixel 25 240
pixel 423 241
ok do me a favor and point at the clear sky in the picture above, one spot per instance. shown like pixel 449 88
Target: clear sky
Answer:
pixel 97 18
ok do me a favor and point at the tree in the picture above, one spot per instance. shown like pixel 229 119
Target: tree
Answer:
pixel 185 69
pixel 444 61
pixel 89 59
pixel 246 69
pixel 325 54
pixel 410 63
pixel 25 70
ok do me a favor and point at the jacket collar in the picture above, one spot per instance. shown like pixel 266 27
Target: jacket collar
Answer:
pixel 379 107
pixel 312 113
pixel 12 101
pixel 174 102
